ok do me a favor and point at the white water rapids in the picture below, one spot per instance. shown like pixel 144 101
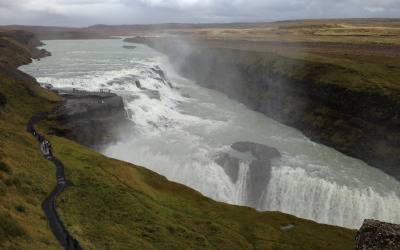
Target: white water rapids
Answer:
pixel 181 130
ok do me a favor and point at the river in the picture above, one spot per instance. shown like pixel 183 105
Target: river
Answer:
pixel 180 131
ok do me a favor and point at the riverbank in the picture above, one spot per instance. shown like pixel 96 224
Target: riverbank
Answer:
pixel 350 109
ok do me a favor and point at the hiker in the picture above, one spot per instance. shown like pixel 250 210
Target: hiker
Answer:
pixel 50 153
pixel 68 239
pixel 75 244
pixel 33 130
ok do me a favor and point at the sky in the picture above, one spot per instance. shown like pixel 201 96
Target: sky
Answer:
pixel 83 13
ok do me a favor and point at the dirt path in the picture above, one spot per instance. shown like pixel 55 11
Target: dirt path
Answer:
pixel 48 204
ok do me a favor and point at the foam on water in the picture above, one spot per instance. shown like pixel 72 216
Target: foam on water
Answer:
pixel 180 131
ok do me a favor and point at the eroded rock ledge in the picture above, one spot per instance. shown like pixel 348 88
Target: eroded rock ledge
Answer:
pixel 93 119
pixel 260 167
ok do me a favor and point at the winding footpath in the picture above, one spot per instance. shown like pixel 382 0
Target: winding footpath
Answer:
pixel 48 205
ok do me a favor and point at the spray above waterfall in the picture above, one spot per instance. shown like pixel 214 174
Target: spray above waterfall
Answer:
pixel 184 131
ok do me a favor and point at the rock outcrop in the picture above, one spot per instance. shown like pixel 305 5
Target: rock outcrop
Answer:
pixel 260 168
pixel 93 119
pixel 259 151
pixel 9 44
pixel 17 48
pixel 375 234
pixel 230 165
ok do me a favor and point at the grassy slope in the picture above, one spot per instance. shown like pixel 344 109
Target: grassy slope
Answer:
pixel 117 205
pixel 30 177
pixel 368 75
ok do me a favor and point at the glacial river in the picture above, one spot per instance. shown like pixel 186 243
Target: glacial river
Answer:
pixel 180 131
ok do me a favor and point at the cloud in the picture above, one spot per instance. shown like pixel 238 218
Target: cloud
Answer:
pixel 179 4
pixel 374 9
pixel 89 12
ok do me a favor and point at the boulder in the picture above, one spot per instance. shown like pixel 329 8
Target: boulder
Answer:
pixel 259 151
pixel 129 47
pixel 93 119
pixel 230 165
pixel 260 173
pixel 159 72
pixel 375 234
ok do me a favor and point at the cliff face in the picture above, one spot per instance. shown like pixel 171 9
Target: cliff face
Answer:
pixel 260 168
pixel 360 123
pixel 93 118
pixel 17 48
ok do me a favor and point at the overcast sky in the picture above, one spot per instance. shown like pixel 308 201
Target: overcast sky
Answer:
pixel 83 13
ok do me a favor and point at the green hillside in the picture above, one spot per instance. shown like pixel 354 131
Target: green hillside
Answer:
pixel 113 204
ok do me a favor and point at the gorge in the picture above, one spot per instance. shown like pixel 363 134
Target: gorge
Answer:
pixel 182 130
pixel 360 121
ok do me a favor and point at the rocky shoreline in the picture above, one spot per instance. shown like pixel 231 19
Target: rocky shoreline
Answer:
pixel 359 124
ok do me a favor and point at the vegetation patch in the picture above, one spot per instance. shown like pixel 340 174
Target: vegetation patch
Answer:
pixel 5 167
pixel 9 228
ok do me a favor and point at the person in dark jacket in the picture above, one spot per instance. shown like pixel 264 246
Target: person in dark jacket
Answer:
pixel 68 239
pixel 75 244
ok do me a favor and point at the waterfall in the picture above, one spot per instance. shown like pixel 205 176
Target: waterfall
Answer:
pixel 181 128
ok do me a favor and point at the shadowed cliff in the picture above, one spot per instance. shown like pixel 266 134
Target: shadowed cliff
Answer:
pixel 92 119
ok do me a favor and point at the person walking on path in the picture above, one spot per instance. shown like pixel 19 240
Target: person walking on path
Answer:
pixel 68 240
pixel 48 205
pixel 75 244
pixel 49 147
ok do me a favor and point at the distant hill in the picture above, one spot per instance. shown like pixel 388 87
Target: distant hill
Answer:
pixel 105 31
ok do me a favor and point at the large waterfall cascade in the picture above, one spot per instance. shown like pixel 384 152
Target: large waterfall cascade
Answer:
pixel 182 128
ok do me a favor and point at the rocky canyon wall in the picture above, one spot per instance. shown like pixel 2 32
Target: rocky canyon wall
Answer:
pixel 361 124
